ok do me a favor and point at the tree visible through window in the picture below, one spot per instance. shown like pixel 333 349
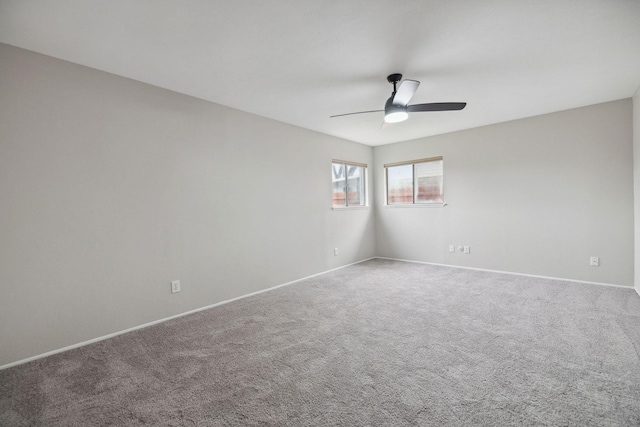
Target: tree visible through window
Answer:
pixel 415 182
pixel 349 184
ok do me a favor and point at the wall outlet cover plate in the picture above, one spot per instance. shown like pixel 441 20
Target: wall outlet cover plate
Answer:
pixel 175 286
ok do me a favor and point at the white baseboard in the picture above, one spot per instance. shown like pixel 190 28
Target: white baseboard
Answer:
pixel 104 337
pixel 510 272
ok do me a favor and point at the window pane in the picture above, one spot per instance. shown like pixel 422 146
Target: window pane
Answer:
pixel 355 184
pixel 339 184
pixel 429 182
pixel 400 184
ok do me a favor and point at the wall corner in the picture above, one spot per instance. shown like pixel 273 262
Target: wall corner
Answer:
pixel 636 188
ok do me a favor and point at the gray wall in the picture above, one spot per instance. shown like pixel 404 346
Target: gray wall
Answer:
pixel 110 189
pixel 536 196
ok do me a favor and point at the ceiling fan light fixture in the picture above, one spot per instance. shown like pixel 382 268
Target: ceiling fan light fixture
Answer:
pixel 396 115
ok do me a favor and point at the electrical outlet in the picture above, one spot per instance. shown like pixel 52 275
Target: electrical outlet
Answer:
pixel 175 286
pixel 452 248
pixel 594 261
pixel 335 251
pixel 467 249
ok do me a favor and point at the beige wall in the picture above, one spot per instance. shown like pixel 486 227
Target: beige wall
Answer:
pixel 536 196
pixel 110 189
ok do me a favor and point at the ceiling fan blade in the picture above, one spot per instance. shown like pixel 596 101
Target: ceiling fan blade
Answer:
pixel 405 92
pixel 437 106
pixel 358 112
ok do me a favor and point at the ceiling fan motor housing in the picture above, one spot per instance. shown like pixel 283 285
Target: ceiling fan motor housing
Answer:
pixel 394 113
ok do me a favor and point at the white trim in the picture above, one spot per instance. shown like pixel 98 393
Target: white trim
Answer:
pixel 510 272
pixel 413 162
pixel 104 337
pixel 349 208
pixel 416 205
pixel 345 162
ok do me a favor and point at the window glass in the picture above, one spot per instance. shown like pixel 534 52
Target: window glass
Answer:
pixel 428 179
pixel 339 185
pixel 400 184
pixel 355 185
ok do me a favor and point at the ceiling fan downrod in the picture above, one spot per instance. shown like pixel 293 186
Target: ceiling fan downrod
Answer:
pixel 394 78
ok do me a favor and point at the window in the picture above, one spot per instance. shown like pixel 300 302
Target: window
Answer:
pixel 349 184
pixel 415 182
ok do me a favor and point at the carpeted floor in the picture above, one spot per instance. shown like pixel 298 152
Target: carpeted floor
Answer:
pixel 381 343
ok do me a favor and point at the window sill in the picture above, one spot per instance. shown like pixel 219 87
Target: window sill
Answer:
pixel 417 205
pixel 348 208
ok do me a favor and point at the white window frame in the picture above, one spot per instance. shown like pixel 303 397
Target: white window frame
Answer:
pixel 413 204
pixel 365 178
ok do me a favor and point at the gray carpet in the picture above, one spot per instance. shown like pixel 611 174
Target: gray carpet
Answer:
pixel 381 343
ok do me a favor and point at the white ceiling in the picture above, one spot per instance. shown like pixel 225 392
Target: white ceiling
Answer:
pixel 300 61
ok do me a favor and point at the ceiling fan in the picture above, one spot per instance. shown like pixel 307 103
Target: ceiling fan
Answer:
pixel 396 109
